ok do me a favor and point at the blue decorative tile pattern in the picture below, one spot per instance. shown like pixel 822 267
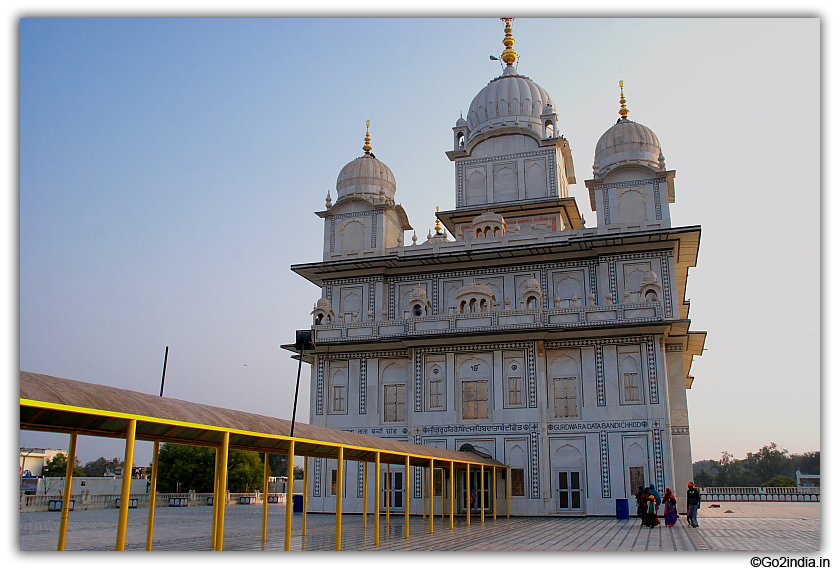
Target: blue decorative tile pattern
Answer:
pixel 600 383
pixel 605 464
pixel 316 479
pixel 319 387
pixel 535 461
pixel 363 386
pixel 658 460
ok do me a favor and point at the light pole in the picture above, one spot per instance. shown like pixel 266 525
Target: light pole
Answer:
pixel 303 341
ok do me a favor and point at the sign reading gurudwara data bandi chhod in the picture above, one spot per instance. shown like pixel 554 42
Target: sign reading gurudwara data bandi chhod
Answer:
pixel 513 330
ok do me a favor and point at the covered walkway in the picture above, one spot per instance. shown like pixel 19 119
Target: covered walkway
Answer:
pixel 60 405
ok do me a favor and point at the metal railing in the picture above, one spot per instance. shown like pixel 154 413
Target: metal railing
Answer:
pixel 760 494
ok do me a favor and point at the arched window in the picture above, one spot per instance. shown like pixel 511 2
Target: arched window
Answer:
pixel 318 319
pixel 532 302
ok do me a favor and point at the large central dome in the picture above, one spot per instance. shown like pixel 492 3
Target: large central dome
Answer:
pixel 510 100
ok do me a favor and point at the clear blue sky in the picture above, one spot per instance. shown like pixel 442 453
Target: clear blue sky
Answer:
pixel 169 171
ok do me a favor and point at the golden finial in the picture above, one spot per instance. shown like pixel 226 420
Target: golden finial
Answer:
pixel 367 148
pixel 623 111
pixel 508 56
pixel 438 227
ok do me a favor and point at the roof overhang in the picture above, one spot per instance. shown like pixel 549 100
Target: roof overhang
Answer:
pixel 60 405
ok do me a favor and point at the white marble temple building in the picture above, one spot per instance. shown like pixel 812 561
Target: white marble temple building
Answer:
pixel 562 350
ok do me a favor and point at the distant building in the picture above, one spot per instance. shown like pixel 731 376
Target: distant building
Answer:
pixel 33 459
pixel 803 480
pixel 513 330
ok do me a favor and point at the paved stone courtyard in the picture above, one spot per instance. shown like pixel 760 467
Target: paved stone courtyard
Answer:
pixel 760 527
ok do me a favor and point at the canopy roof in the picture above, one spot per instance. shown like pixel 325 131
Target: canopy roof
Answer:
pixel 60 405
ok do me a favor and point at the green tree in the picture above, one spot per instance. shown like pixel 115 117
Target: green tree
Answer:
pixel 185 467
pixel 245 471
pixel 703 479
pixel 98 467
pixel 808 463
pixel 278 465
pixel 756 469
pixel 729 471
pixel 780 481
pixel 57 467
pixel 768 462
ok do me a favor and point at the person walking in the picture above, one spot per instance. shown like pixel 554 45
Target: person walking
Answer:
pixel 693 500
pixel 651 520
pixel 670 502
pixel 656 497
pixel 641 506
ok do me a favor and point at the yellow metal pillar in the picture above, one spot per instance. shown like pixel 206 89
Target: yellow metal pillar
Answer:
pixel 68 489
pixel 425 490
pixel 150 527
pixel 126 484
pixel 495 493
pixel 223 468
pixel 305 495
pixel 376 502
pixel 442 495
pixel 364 493
pixel 339 496
pixel 469 497
pixel 407 500
pixel 290 474
pixel 451 495
pixel 482 494
pixel 432 497
pixel 388 501
pixel 217 497
pixel 266 473
pixel 507 493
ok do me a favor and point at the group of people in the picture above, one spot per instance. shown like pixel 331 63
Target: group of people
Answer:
pixel 648 501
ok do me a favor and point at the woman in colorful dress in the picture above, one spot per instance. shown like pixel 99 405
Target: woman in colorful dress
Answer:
pixel 670 502
pixel 641 504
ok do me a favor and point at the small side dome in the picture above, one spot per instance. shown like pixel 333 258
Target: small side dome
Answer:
pixel 366 177
pixel 531 285
pixel 418 293
pixel 460 122
pixel 627 143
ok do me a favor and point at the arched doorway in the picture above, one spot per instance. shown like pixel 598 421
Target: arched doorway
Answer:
pixel 474 498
